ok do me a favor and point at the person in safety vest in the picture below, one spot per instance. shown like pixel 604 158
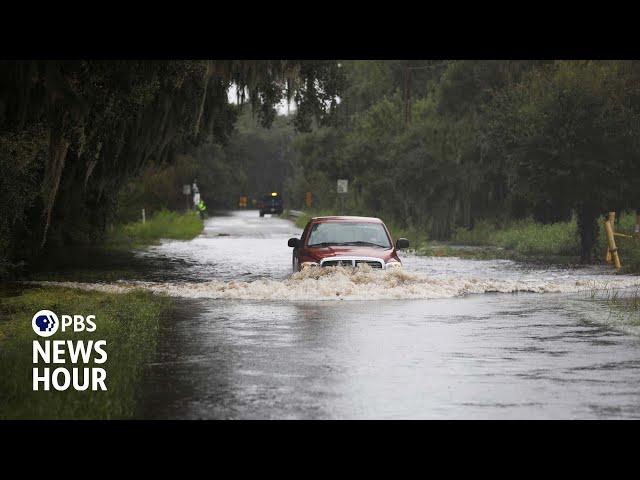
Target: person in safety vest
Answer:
pixel 202 209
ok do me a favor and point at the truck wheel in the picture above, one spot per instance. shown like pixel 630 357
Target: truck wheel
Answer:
pixel 262 214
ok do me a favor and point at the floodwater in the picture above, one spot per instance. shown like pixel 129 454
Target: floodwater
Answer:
pixel 443 338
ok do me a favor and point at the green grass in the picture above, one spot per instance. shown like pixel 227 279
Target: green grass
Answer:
pixel 525 237
pixel 623 307
pixel 556 241
pixel 129 324
pixel 163 224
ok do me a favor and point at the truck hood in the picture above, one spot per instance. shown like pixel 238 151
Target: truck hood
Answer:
pixel 349 251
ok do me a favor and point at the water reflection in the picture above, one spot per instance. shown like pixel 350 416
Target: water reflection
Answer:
pixel 475 357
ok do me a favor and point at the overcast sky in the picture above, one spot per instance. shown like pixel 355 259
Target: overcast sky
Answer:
pixel 281 107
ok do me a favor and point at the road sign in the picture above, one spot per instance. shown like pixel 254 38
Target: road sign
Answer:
pixel 186 189
pixel 343 186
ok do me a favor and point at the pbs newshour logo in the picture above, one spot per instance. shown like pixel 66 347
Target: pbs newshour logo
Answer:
pixel 46 323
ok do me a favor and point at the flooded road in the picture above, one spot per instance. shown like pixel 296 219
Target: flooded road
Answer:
pixel 248 341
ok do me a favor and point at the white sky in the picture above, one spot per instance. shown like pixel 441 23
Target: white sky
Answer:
pixel 281 107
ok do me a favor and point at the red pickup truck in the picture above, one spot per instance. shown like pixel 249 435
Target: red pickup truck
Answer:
pixel 346 241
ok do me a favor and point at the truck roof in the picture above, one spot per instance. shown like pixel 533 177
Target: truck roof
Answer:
pixel 346 218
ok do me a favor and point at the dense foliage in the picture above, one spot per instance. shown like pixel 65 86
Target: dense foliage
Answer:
pixel 441 145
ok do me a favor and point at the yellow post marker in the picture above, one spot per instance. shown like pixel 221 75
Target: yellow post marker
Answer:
pixel 308 199
pixel 636 230
pixel 612 219
pixel 613 250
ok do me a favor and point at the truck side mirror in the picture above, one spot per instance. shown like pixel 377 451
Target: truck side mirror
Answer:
pixel 294 242
pixel 402 243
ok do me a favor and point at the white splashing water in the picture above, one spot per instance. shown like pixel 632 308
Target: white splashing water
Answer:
pixel 362 283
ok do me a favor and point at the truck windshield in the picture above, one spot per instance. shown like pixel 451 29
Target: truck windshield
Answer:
pixel 348 233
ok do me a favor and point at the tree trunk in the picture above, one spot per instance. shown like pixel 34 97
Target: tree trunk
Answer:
pixel 588 231
pixel 207 76
pixel 59 147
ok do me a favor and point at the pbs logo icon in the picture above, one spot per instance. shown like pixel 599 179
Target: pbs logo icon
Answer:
pixel 45 323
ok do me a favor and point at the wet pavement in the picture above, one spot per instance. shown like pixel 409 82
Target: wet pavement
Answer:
pixel 487 355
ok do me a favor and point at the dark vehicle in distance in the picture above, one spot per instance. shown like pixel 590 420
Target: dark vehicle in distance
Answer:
pixel 346 242
pixel 271 204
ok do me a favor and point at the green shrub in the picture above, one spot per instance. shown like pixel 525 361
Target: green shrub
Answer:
pixel 164 224
pixel 525 237
pixel 481 234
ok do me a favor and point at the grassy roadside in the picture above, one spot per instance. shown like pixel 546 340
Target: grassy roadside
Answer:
pixel 163 224
pixel 129 324
pixel 524 237
pixel 523 240
pixel 558 241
